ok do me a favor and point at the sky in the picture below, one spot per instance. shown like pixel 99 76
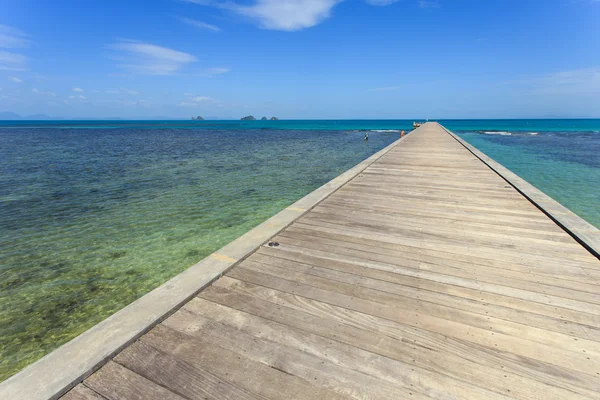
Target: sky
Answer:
pixel 301 59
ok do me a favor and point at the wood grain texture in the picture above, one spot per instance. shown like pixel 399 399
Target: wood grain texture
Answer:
pixel 82 392
pixel 427 276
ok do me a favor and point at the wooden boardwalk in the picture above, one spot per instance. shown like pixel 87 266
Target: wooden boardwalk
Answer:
pixel 427 276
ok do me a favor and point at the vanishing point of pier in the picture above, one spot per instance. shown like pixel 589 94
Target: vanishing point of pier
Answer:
pixel 426 272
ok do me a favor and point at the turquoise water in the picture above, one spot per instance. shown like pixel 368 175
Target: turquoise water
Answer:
pixel 94 214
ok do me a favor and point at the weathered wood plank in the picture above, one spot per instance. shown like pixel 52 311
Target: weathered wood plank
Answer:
pixel 82 392
pixel 445 358
pixel 290 360
pixel 206 352
pixel 180 377
pixel 114 381
pixel 493 339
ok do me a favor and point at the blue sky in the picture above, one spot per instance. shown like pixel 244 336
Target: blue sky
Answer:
pixel 301 58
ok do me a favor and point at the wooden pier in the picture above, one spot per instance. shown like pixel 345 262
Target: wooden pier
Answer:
pixel 425 276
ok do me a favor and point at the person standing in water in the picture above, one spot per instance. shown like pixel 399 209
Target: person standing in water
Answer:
pixel 366 135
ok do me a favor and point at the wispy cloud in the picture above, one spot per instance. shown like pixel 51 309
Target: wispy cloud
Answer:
pixel 12 61
pixel 429 4
pixel 43 93
pixel 75 99
pixel 15 79
pixel 208 72
pixel 281 15
pixel 199 24
pixel 150 59
pixel 585 81
pixel 135 103
pixel 12 38
pixel 381 2
pixel 197 101
pixel 78 90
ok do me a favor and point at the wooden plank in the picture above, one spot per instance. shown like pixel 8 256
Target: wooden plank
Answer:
pixel 411 268
pixel 180 377
pixel 396 372
pixel 290 360
pixel 410 247
pixel 580 362
pixel 82 392
pixel 504 300
pixel 489 242
pixel 463 299
pixel 207 353
pixel 425 242
pixel 536 283
pixel 389 293
pixel 114 381
pixel 443 356
pixel 345 239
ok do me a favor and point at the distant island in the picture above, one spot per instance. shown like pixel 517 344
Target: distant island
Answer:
pixel 251 118
pixel 198 118
pixel 11 116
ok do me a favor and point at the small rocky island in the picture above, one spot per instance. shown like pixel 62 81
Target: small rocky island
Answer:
pixel 198 118
pixel 251 118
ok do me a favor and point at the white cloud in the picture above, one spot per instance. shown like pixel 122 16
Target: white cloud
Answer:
pixel 75 99
pixel 282 15
pixel 43 93
pixel 213 71
pixel 201 99
pixel 381 2
pixel 12 38
pixel 12 61
pixel 15 79
pixel 78 90
pixel 196 101
pixel 136 103
pixel 199 24
pixel 150 59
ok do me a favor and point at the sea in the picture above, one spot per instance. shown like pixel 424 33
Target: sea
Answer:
pixel 94 214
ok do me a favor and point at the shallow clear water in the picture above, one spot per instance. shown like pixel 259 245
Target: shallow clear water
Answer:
pixel 92 219
pixel 95 214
